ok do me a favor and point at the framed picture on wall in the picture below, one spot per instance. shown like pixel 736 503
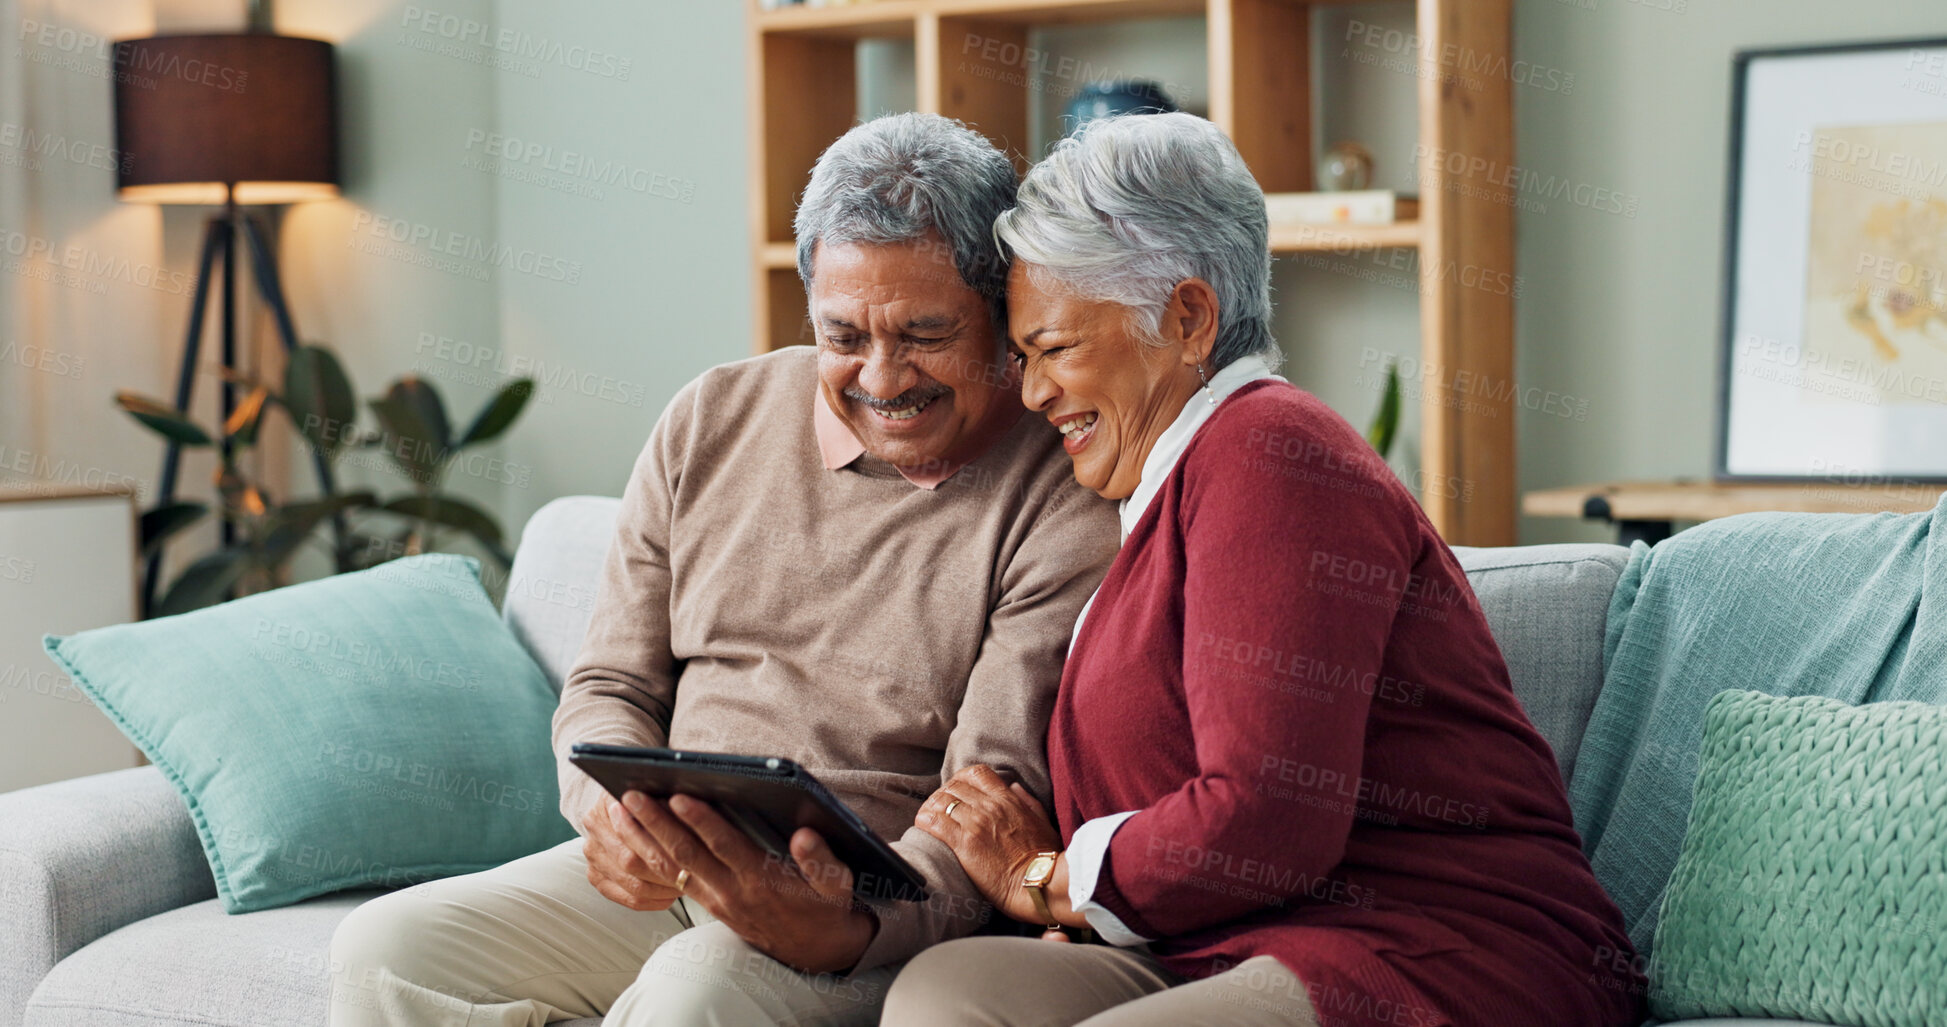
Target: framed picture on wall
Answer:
pixel 1834 335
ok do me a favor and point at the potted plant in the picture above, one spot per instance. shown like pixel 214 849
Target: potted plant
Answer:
pixel 366 529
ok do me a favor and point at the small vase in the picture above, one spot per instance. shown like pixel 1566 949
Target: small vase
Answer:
pixel 1108 99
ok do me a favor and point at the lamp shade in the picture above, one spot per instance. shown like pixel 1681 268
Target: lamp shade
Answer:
pixel 200 116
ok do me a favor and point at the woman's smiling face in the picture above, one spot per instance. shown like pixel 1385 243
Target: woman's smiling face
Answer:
pixel 1108 391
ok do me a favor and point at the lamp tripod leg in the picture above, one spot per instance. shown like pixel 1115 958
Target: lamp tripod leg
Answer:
pixel 216 243
pixel 229 323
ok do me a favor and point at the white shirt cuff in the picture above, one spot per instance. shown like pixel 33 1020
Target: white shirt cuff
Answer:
pixel 1085 853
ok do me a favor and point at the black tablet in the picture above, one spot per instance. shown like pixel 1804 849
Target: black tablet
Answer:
pixel 769 797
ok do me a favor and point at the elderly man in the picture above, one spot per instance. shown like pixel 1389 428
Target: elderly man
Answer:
pixel 859 556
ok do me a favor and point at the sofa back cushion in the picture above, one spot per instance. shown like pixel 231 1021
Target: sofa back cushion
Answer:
pixel 551 587
pixel 1547 607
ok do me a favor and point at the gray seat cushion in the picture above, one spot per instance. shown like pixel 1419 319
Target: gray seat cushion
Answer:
pixel 200 965
pixel 1547 607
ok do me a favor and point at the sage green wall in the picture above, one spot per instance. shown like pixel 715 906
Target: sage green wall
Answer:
pixel 1617 312
pixel 600 148
pixel 664 292
pixel 1623 311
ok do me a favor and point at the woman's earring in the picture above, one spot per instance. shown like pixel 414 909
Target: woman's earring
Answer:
pixel 1206 385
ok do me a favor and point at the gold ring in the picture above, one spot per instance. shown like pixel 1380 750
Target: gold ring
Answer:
pixel 950 805
pixel 682 878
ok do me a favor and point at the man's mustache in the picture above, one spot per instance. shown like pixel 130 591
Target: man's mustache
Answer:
pixel 910 397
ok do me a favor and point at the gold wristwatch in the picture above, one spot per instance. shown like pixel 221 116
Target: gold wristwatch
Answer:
pixel 1040 870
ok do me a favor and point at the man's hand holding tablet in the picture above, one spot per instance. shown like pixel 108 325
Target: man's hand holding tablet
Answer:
pixel 799 912
pixel 616 870
pixel 756 841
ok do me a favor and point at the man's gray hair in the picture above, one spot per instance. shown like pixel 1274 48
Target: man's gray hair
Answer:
pixel 1130 207
pixel 894 179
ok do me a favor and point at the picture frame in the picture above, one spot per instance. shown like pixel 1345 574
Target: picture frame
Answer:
pixel 1833 333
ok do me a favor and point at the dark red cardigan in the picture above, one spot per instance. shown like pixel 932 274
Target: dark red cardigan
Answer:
pixel 1288 674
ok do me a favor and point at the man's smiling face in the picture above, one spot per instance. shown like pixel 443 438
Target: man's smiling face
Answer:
pixel 909 357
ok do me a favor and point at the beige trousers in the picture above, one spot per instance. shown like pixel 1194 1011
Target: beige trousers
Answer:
pixel 1027 982
pixel 533 942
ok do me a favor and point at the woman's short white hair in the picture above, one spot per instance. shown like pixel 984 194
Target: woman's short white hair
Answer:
pixel 1129 207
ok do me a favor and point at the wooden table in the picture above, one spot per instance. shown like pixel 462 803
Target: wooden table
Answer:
pixel 1647 510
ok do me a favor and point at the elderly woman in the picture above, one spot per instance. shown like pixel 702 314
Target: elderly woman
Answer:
pixel 1291 781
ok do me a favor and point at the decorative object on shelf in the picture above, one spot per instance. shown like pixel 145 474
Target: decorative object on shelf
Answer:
pixel 258 127
pixel 1108 99
pixel 1834 324
pixel 1346 167
pixel 1367 207
pixel 318 397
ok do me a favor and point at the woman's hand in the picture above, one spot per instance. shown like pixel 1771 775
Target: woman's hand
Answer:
pixel 995 830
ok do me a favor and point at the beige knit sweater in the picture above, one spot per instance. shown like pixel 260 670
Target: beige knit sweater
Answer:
pixel 881 634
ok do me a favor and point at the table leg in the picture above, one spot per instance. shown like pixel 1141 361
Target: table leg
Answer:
pixel 1652 532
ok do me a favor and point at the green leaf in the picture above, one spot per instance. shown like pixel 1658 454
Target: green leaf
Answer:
pixel 164 521
pixel 1385 424
pixel 292 523
pixel 238 495
pixel 240 378
pixel 247 418
pixel 499 414
pixel 364 550
pixel 168 422
pixel 454 513
pixel 415 419
pixel 205 582
pixel 320 398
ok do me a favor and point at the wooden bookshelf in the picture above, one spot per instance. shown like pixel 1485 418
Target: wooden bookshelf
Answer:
pixel 1307 238
pixel 803 67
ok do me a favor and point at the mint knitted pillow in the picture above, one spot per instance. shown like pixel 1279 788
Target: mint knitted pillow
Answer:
pixel 374 728
pixel 1812 883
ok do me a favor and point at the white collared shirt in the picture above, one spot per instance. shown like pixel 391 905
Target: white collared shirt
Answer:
pixel 1090 845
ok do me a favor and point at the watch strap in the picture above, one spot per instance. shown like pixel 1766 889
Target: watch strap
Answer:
pixel 1037 887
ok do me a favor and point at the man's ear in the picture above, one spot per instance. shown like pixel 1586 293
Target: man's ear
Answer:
pixel 1192 318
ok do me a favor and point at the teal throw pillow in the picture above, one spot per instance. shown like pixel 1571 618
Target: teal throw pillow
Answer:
pixel 1812 883
pixel 374 728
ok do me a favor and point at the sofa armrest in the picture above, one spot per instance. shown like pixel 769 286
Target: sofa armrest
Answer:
pixel 79 859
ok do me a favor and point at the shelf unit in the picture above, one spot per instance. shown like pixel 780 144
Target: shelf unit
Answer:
pixel 803 68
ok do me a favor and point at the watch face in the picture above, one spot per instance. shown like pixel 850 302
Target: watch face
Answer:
pixel 1039 870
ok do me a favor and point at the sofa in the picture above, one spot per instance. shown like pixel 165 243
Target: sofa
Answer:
pixel 108 912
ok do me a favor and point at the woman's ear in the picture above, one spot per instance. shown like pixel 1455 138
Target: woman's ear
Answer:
pixel 1191 319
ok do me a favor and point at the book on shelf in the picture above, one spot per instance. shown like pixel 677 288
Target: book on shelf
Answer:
pixel 1359 207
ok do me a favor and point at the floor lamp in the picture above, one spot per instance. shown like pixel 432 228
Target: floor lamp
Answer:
pixel 233 121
